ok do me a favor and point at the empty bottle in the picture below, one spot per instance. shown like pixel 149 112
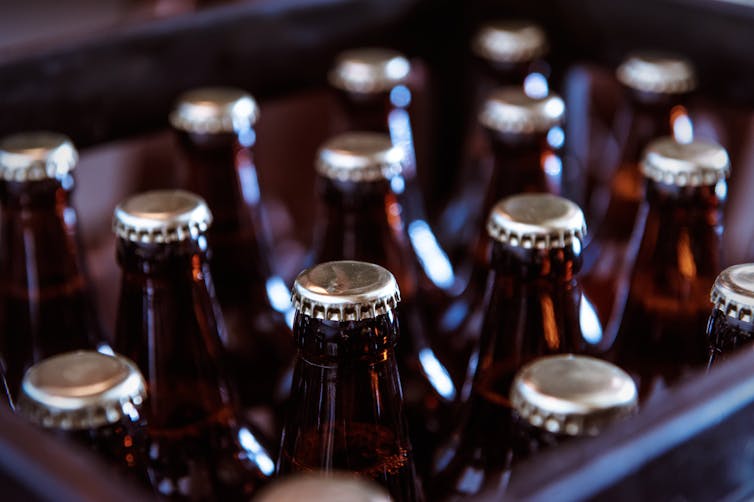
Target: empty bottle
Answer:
pixel 662 332
pixel 170 324
pixel 46 306
pixel 731 323
pixel 346 409
pixel 215 131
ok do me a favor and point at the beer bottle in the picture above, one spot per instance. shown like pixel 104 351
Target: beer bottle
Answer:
pixel 215 132
pixel 340 487
pixel 656 87
pixel 94 400
pixel 731 325
pixel 46 305
pixel 171 326
pixel 551 400
pixel 346 409
pixel 362 220
pixel 373 91
pixel 662 333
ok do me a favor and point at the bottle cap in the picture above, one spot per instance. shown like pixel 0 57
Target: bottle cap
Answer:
pixel 657 73
pixel 329 487
pixel 161 216
pixel 511 110
pixel 367 70
pixel 214 110
pixel 536 221
pixel 81 390
pixel 345 291
pixel 733 292
pixel 38 155
pixel 699 163
pixel 573 395
pixel 510 41
pixel 360 157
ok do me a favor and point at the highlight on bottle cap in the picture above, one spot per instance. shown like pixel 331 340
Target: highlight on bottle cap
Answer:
pixel 573 395
pixel 698 163
pixel 161 216
pixel 81 390
pixel 36 155
pixel 510 41
pixel 511 110
pixel 733 292
pixel 345 291
pixel 370 69
pixel 360 157
pixel 214 110
pixel 657 73
pixel 536 221
pixel 331 487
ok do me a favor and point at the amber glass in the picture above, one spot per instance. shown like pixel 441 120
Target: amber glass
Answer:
pixel 46 305
pixel 170 325
pixel 726 335
pixel 534 309
pixel 662 334
pixel 346 410
pixel 221 169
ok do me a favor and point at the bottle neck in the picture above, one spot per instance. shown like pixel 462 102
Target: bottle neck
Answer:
pixel 644 117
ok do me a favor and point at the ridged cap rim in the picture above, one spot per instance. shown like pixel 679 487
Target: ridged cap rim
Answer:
pixel 36 155
pixel 360 157
pixel 510 41
pixel 698 163
pixel 511 110
pixel 733 292
pixel 214 110
pixel 369 70
pixel 657 73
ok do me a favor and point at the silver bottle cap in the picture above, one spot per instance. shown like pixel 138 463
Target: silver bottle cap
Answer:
pixel 360 157
pixel 214 110
pixel 368 70
pixel 536 221
pixel 510 110
pixel 657 73
pixel 510 41
pixel 733 292
pixel 38 155
pixel 329 487
pixel 699 163
pixel 161 216
pixel 573 395
pixel 81 390
pixel 345 291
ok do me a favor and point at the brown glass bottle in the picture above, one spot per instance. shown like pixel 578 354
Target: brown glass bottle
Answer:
pixel 534 308
pixel 215 132
pixel 46 305
pixel 731 323
pixel 361 219
pixel 346 408
pixel 662 332
pixel 171 326
pixel 94 400
pixel 656 86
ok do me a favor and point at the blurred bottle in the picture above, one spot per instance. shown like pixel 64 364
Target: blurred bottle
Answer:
pixel 332 487
pixel 731 323
pixel 215 131
pixel 679 230
pixel 656 86
pixel 552 399
pixel 346 410
pixel 94 400
pixel 170 324
pixel 46 305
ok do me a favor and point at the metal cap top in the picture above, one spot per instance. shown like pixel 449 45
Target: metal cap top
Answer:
pixel 360 157
pixel 330 488
pixel 510 41
pixel 33 156
pixel 345 291
pixel 213 110
pixel 699 163
pixel 161 216
pixel 536 220
pixel 657 73
pixel 733 292
pixel 81 390
pixel 573 395
pixel 369 69
pixel 510 110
